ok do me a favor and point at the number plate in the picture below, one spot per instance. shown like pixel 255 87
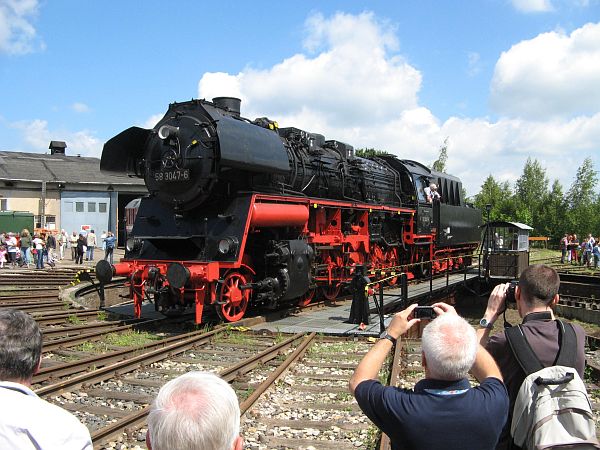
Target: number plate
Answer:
pixel 172 175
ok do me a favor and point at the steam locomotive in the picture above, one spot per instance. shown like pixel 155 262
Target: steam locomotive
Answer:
pixel 243 213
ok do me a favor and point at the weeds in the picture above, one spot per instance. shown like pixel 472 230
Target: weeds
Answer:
pixel 74 320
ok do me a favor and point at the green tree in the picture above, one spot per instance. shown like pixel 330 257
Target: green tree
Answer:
pixel 582 198
pixel 531 191
pixel 499 196
pixel 553 213
pixel 370 152
pixel 440 163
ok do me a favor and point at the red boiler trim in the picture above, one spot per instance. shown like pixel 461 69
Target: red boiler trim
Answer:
pixel 278 215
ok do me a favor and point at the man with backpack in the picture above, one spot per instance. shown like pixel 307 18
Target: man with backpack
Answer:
pixel 541 337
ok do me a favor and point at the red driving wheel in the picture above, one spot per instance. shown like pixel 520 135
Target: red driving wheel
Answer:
pixel 233 301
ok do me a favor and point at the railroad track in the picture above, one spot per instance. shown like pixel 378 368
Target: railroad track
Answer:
pixel 111 392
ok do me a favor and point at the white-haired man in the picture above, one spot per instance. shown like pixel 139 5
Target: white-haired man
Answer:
pixel 27 421
pixel 197 410
pixel 443 411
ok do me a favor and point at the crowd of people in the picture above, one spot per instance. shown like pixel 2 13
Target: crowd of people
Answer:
pixel 26 249
pixel 586 252
pixel 442 411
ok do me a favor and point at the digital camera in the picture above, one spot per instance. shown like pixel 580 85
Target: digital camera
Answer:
pixel 510 292
pixel 424 312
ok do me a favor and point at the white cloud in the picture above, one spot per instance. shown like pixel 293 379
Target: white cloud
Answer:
pixel 37 135
pixel 352 86
pixel 532 6
pixel 551 75
pixel 351 81
pixel 152 120
pixel 17 34
pixel 80 107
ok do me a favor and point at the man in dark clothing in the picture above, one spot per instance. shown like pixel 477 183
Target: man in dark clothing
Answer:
pixel 443 411
pixel 536 295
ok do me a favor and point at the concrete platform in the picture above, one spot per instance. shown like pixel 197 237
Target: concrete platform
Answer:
pixel 334 319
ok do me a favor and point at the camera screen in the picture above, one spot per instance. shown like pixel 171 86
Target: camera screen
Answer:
pixel 424 312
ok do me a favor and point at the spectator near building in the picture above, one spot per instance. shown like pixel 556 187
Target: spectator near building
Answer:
pixel 91 244
pixel 443 411
pixel 197 410
pixel 27 421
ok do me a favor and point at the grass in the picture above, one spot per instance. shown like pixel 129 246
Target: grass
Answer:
pixel 130 339
pixel 126 339
pixel 101 316
pixel 234 335
pixel 74 320
pixel 373 438
pixel 344 396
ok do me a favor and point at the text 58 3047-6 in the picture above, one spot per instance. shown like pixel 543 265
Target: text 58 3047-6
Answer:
pixel 172 175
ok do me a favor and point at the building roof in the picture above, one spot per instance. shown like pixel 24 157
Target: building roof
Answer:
pixel 59 168
pixel 502 223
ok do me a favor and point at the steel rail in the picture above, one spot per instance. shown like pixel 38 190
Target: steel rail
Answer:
pixel 82 365
pixel 109 371
pixel 104 434
pixel 29 308
pixel 24 306
pixel 81 338
pixel 66 331
pixel 24 298
pixel 49 318
pixel 385 443
pixel 277 374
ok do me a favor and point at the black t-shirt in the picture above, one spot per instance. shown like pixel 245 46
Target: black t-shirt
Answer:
pixel 437 414
pixel 542 334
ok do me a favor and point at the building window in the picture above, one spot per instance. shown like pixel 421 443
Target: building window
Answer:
pixel 49 225
pixel 91 207
pixel 51 222
pixel 68 206
pixel 78 206
pixel 102 207
pixel 4 204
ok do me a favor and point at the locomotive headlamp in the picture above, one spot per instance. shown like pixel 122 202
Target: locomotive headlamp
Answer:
pixel 133 244
pixel 167 131
pixel 227 245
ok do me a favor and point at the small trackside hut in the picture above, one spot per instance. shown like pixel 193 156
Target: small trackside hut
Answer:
pixel 505 248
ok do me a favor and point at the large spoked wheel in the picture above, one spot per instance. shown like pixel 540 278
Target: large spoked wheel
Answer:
pixel 331 291
pixel 233 301
pixel 307 298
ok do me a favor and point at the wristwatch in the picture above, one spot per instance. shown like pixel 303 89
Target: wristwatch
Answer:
pixel 389 337
pixel 484 323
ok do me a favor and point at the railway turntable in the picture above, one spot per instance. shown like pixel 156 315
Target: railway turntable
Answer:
pixel 334 320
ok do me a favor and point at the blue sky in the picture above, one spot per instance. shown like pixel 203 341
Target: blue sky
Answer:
pixel 502 80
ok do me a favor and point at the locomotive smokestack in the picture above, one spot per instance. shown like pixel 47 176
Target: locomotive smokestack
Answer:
pixel 230 104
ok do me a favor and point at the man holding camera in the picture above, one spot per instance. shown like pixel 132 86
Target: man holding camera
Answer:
pixel 443 411
pixel 535 296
